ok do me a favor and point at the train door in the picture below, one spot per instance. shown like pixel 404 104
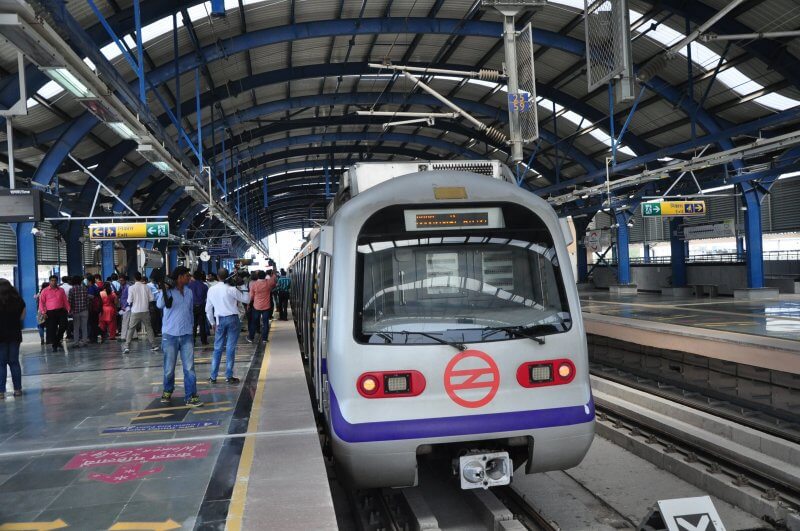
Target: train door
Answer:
pixel 321 346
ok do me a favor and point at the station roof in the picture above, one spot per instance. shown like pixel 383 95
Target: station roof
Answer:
pixel 280 82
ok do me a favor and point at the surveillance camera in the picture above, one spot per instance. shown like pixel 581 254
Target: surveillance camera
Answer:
pixel 35 231
pixel 81 239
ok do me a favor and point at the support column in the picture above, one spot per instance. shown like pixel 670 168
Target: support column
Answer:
pixel 582 262
pixel 132 266
pixel 739 248
pixel 752 193
pixel 623 251
pixel 581 259
pixel 107 259
pixel 624 285
pixel 646 248
pixel 752 234
pixel 26 274
pixel 74 255
pixel 677 254
pixel 172 258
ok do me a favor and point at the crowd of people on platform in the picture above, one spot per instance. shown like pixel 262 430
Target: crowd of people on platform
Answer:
pixel 177 308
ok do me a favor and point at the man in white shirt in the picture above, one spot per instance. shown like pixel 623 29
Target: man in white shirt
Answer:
pixel 222 311
pixel 139 299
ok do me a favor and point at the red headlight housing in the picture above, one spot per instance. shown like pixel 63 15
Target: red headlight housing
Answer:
pixel 545 373
pixel 390 384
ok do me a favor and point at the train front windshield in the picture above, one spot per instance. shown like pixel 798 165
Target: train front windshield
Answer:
pixel 470 286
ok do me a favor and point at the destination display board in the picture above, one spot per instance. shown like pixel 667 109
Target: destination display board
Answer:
pixel 454 219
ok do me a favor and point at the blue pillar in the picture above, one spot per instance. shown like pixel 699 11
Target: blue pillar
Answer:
pixel 646 248
pixel 74 255
pixel 582 262
pixel 172 259
pixel 623 254
pixel 580 249
pixel 27 276
pixel 678 254
pixel 752 234
pixel 107 259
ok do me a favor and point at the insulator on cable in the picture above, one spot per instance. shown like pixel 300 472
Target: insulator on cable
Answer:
pixel 652 68
pixel 488 75
pixel 496 135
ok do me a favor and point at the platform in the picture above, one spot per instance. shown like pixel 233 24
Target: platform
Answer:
pixel 779 319
pixel 90 446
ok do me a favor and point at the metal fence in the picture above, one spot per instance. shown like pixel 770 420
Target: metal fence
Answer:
pixel 528 117
pixel 725 258
pixel 605 46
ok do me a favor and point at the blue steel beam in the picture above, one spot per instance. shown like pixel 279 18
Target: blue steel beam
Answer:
pixel 334 28
pixel 455 127
pixel 276 145
pixel 329 28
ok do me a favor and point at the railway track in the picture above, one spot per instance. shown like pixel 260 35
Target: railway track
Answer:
pixel 742 413
pixel 738 474
pixel 438 503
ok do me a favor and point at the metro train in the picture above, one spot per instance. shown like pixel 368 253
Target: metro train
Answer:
pixel 440 319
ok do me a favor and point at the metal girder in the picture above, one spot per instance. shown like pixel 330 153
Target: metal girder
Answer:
pixel 49 166
pixel 276 145
pixel 326 150
pixel 772 53
pixel 134 181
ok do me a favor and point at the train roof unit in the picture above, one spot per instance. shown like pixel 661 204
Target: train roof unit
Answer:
pixel 364 175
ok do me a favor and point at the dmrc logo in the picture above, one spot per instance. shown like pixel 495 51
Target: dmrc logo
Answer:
pixel 471 379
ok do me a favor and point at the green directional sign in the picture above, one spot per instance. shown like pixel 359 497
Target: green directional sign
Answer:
pixel 158 230
pixel 651 209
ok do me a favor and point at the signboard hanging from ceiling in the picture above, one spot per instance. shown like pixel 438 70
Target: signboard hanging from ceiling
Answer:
pixel 129 231
pixel 20 206
pixel 726 229
pixel 674 209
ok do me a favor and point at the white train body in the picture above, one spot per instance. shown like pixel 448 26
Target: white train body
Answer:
pixel 443 255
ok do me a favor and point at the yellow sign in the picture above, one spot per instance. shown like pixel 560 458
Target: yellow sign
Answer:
pixel 674 208
pixel 129 231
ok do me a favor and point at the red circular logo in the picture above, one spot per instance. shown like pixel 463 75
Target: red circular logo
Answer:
pixel 471 379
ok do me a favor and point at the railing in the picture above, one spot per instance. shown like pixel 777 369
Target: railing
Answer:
pixel 727 258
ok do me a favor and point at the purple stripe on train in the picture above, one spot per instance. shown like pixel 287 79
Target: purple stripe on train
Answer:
pixel 454 426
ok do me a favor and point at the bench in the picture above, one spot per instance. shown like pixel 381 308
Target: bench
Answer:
pixel 701 290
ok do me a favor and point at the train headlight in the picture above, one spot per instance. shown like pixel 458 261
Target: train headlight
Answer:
pixel 390 384
pixel 546 372
pixel 397 383
pixel 541 373
pixel 369 384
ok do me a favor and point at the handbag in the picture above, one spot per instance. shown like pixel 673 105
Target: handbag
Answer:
pixel 41 317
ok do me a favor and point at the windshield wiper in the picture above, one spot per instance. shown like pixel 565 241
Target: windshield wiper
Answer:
pixel 515 330
pixel 459 346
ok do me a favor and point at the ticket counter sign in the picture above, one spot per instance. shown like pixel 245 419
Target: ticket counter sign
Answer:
pixel 674 209
pixel 129 231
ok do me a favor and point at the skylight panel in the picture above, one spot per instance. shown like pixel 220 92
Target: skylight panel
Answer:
pixel 707 59
pixel 49 90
